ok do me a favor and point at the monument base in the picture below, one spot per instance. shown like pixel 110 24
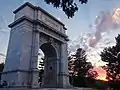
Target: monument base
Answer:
pixel 46 89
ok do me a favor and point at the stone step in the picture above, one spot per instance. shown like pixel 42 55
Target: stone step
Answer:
pixel 46 89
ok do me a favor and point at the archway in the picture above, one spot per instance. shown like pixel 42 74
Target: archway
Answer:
pixel 50 65
pixel 33 29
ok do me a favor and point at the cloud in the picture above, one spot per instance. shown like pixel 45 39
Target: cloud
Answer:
pixel 1 54
pixel 104 22
pixel 2 58
pixel 93 53
pixel 101 72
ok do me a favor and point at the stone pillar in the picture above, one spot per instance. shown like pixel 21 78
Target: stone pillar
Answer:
pixel 64 76
pixel 34 60
pixel 16 70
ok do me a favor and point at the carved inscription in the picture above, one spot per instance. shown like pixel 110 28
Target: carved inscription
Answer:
pixel 49 21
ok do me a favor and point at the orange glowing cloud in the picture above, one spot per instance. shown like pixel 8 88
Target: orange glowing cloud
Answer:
pixel 101 72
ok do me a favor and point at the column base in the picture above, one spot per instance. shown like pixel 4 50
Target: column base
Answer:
pixel 64 81
pixel 34 77
pixel 16 78
pixel 46 89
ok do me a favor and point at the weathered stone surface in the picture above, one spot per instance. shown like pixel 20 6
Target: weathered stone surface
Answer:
pixel 34 28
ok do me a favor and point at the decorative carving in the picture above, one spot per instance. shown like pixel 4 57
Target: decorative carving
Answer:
pixel 51 40
pixel 51 33
pixel 49 21
pixel 57 46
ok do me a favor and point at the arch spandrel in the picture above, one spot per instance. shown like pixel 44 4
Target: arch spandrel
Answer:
pixel 55 43
pixel 49 50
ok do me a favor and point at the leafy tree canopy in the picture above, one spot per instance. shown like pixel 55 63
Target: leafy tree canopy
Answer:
pixel 68 6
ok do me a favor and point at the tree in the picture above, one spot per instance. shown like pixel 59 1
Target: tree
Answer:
pixel 68 6
pixel 41 64
pixel 78 67
pixel 92 74
pixel 111 55
pixel 91 78
pixel 1 69
pixel 41 70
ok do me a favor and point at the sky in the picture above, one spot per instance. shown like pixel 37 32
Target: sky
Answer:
pixel 91 28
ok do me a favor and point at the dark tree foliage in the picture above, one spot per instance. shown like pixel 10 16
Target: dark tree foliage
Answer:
pixel 41 63
pixel 111 55
pixel 41 71
pixel 92 74
pixel 114 84
pixel 80 64
pixel 70 66
pixel 1 67
pixel 78 68
pixel 68 6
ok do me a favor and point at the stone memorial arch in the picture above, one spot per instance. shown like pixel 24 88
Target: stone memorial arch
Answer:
pixel 33 29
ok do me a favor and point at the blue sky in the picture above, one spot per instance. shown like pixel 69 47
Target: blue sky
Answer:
pixel 78 25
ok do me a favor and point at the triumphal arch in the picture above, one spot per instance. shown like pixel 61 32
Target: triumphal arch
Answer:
pixel 33 29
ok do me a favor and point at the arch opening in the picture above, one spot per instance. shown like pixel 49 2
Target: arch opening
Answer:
pixel 48 50
pixel 47 56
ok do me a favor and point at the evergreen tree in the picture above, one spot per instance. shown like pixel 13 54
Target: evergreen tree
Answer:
pixel 78 65
pixel 78 68
pixel 111 55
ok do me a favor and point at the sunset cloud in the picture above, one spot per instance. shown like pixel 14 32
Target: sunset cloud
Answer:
pixel 101 72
